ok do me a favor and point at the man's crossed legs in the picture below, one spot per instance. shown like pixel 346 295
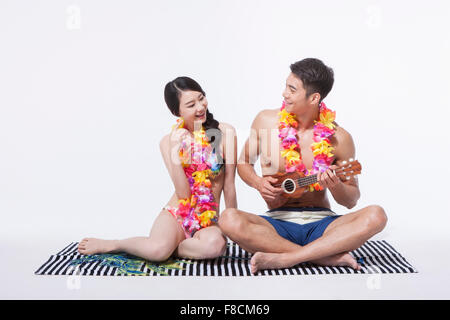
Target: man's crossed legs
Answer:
pixel 346 233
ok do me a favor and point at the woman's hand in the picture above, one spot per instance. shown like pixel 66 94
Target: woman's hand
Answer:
pixel 178 135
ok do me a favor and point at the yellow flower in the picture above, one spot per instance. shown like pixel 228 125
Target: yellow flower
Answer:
pixel 184 201
pixel 201 176
pixel 322 147
pixel 179 123
pixel 287 118
pixel 185 158
pixel 327 118
pixel 206 216
pixel 193 201
pixel 290 154
pixel 200 136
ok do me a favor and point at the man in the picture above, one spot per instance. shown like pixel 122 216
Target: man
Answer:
pixel 297 230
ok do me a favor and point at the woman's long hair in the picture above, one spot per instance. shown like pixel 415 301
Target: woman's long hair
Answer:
pixel 172 93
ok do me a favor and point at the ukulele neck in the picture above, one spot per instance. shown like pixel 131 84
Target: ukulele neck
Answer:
pixel 306 181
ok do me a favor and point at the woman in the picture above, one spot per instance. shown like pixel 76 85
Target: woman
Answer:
pixel 195 154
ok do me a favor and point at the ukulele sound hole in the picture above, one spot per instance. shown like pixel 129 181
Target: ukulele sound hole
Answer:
pixel 288 185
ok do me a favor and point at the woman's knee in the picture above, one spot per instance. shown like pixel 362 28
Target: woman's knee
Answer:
pixel 159 251
pixel 216 245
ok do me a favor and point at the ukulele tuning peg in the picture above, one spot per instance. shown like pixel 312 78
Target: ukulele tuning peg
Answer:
pixel 350 160
pixel 344 162
pixel 347 178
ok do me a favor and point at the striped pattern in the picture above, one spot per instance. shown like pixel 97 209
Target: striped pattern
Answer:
pixel 374 256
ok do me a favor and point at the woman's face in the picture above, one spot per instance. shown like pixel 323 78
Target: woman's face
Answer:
pixel 193 105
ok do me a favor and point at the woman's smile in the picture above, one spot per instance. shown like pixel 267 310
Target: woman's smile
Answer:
pixel 200 116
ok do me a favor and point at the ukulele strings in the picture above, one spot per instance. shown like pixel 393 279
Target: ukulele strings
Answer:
pixel 304 181
pixel 301 181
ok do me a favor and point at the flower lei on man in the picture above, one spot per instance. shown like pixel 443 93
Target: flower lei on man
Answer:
pixel 196 158
pixel 321 147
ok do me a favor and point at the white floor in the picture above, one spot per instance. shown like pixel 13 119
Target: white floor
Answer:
pixel 21 257
pixel 82 112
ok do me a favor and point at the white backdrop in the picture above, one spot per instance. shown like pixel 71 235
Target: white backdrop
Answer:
pixel 82 108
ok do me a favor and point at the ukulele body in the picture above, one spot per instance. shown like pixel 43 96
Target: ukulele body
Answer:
pixel 287 181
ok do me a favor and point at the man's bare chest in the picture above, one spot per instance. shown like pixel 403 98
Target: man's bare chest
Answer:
pixel 271 158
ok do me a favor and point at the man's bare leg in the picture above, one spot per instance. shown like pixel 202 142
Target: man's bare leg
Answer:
pixel 344 234
pixel 164 238
pixel 256 234
pixel 252 232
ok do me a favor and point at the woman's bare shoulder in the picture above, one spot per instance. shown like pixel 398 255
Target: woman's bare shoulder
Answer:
pixel 164 142
pixel 165 138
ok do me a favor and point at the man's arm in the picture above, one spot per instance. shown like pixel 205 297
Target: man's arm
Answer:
pixel 345 193
pixel 247 159
pixel 246 170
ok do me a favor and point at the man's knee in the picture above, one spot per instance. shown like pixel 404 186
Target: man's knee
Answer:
pixel 229 221
pixel 376 218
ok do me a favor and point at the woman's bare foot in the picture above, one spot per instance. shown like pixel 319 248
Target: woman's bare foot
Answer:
pixel 90 246
pixel 261 261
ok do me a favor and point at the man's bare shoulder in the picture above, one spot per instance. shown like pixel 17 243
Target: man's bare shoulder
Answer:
pixel 343 143
pixel 342 135
pixel 265 118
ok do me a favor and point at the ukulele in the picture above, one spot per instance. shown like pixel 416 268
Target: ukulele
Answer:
pixel 294 184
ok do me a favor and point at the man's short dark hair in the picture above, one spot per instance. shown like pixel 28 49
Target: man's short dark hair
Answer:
pixel 315 75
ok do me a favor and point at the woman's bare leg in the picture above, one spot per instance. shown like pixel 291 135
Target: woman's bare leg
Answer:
pixel 207 243
pixel 164 238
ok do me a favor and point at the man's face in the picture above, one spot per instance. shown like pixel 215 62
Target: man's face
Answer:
pixel 294 95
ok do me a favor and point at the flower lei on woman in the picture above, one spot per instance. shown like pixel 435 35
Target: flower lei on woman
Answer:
pixel 321 147
pixel 198 211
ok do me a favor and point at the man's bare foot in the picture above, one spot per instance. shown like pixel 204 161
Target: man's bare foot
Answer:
pixel 262 260
pixel 90 246
pixel 339 260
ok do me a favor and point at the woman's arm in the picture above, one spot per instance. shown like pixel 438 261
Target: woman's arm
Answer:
pixel 169 146
pixel 230 157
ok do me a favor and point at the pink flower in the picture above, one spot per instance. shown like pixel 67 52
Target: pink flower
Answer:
pixel 287 132
pixel 321 163
pixel 287 144
pixel 189 171
pixel 322 131
pixel 202 166
pixel 291 169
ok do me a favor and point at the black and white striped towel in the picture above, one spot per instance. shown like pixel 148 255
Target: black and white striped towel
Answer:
pixel 374 257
